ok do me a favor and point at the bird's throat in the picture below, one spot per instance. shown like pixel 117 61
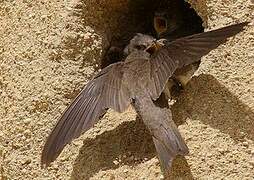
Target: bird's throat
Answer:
pixel 160 24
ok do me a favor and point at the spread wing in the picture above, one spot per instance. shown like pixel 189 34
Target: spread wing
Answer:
pixel 185 51
pixel 104 91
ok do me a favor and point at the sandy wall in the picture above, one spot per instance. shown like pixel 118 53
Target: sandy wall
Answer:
pixel 49 50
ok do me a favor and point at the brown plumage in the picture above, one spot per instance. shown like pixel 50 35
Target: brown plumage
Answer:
pixel 140 80
pixel 172 20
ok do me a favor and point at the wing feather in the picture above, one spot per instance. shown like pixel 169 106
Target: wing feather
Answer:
pixel 185 51
pixel 104 91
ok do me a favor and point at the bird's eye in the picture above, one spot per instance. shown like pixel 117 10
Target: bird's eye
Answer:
pixel 140 47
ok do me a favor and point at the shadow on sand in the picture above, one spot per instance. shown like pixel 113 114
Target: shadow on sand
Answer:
pixel 130 142
pixel 204 97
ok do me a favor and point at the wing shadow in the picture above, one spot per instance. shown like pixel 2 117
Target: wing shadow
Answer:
pixel 130 142
pixel 206 98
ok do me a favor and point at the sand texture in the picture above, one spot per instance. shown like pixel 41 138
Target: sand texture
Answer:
pixel 50 49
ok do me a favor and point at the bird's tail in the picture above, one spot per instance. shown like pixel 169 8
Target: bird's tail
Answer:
pixel 169 143
pixel 166 136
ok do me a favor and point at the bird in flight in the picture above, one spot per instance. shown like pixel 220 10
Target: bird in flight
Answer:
pixel 138 80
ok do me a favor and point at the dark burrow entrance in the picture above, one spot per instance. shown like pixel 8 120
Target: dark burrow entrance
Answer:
pixel 117 21
pixel 139 18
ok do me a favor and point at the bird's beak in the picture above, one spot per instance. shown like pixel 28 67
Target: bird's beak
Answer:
pixel 160 24
pixel 154 47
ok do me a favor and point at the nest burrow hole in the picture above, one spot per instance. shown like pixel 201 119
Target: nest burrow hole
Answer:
pixel 139 18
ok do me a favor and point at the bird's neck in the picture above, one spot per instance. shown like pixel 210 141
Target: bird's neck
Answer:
pixel 135 55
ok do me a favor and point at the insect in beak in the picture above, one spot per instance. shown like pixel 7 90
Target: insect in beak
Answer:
pixel 156 45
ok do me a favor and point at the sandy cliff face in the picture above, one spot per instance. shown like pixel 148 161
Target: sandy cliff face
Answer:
pixel 50 49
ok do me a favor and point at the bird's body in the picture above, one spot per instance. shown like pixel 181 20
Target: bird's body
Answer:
pixel 166 137
pixel 139 80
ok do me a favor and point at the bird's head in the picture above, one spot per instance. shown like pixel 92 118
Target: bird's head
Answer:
pixel 160 22
pixel 165 22
pixel 140 42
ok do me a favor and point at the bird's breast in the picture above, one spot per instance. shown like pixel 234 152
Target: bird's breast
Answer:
pixel 137 75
